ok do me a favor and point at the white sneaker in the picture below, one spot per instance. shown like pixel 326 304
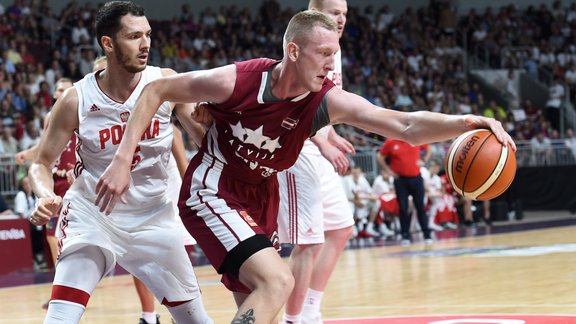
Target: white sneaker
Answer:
pixel 370 230
pixel 428 241
pixel 451 225
pixel 385 231
pixel 436 228
pixel 405 242
pixel 314 319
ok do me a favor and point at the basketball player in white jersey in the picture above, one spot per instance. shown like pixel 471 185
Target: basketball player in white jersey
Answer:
pixel 317 220
pixel 141 235
pixel 176 168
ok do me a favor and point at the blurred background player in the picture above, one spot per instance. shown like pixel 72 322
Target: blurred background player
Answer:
pixel 386 205
pixel 403 161
pixel 361 200
pixel 314 214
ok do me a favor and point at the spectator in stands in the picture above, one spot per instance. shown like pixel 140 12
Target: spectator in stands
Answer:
pixel 570 141
pixel 531 110
pixel 8 143
pixel 31 136
pixel 554 103
pixel 541 149
pixel 496 111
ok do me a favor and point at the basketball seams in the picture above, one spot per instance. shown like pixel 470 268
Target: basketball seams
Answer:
pixel 455 148
pixel 498 168
pixel 494 172
pixel 466 193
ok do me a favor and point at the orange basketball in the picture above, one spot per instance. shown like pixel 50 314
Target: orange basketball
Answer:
pixel 479 166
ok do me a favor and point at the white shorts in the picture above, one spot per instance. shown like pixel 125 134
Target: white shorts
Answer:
pixel 312 200
pixel 152 248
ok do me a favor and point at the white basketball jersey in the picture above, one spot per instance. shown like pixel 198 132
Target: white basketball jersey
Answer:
pixel 102 122
pixel 336 77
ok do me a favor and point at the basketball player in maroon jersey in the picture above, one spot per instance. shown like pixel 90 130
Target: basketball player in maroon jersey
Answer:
pixel 263 112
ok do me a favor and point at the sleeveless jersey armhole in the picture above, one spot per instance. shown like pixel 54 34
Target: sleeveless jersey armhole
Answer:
pixel 321 118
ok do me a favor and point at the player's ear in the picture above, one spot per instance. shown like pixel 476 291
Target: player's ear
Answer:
pixel 106 43
pixel 293 51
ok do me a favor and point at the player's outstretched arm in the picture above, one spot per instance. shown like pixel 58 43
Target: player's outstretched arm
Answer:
pixel 214 85
pixel 415 127
pixel 51 144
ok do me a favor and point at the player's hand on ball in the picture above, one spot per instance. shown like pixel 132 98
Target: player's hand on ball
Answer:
pixel 474 122
pixel 44 210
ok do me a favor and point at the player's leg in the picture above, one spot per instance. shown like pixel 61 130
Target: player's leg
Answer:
pixel 270 281
pixel 402 194
pixel 53 246
pixel 335 242
pixel 235 224
pixel 300 223
pixel 416 187
pixel 302 262
pixel 156 255
pixel 147 299
pixel 71 289
pixel 338 225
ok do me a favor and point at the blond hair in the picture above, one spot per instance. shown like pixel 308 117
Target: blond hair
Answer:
pixel 317 4
pixel 300 25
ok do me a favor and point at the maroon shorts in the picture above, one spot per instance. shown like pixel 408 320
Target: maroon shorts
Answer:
pixel 230 218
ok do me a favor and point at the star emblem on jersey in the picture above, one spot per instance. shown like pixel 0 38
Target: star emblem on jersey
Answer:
pixel 255 137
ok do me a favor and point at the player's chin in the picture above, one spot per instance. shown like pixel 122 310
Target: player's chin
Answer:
pixel 317 85
pixel 135 68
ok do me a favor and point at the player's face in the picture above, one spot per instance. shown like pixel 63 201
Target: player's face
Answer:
pixel 337 9
pixel 60 87
pixel 316 57
pixel 132 43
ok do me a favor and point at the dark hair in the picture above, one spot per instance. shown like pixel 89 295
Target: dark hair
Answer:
pixel 109 15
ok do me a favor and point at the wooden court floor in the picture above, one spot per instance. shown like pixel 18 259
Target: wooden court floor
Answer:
pixel 528 272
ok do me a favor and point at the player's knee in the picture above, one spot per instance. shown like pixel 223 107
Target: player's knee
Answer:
pixel 340 235
pixel 306 250
pixel 278 283
pixel 283 284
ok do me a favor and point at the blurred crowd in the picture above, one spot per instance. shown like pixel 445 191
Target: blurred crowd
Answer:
pixel 413 60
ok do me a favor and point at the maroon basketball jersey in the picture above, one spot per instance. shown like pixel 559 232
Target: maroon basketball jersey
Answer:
pixel 67 159
pixel 255 134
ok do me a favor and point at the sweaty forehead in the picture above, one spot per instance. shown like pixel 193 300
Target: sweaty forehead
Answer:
pixel 320 36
